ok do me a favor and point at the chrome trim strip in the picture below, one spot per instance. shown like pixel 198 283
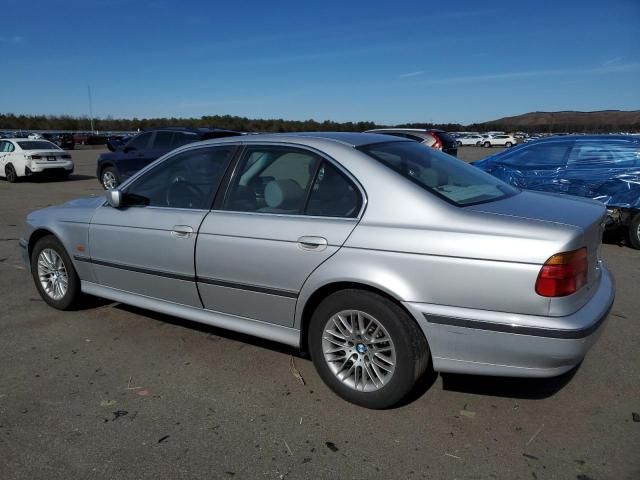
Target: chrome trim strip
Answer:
pixel 252 288
pixel 147 271
pixel 191 278
pixel 517 329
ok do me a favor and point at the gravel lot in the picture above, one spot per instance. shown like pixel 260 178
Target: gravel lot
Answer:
pixel 111 391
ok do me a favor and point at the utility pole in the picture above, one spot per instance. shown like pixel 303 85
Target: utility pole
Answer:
pixel 90 108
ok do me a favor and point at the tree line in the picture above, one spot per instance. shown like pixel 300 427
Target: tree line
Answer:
pixel 10 121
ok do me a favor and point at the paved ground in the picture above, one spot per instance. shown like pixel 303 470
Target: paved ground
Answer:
pixel 115 392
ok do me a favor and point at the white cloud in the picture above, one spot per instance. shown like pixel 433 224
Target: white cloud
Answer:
pixel 411 74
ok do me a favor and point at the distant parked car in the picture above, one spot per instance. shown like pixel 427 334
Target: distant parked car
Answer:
pixel 438 139
pixel 34 136
pixel 602 167
pixel 499 140
pixel 142 149
pixel 23 158
pixel 470 140
pixel 63 140
pixel 307 240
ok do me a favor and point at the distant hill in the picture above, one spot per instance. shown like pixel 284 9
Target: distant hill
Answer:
pixel 570 121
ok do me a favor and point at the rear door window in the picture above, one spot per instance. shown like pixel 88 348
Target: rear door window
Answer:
pixel 273 179
pixel 162 140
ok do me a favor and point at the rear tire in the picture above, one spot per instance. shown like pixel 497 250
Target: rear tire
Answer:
pixel 109 178
pixel 54 275
pixel 486 145
pixel 634 232
pixel 508 144
pixel 10 173
pixel 375 362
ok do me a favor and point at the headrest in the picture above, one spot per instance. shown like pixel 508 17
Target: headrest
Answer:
pixel 284 194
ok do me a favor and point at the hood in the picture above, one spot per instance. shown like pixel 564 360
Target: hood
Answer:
pixel 78 210
pixel 547 207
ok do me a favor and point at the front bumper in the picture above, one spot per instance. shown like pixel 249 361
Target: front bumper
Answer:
pixel 481 342
pixel 24 252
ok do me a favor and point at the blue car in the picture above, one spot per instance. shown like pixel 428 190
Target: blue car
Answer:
pixel 602 167
pixel 130 155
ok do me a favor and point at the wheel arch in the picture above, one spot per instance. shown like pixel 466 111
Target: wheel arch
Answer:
pixel 322 292
pixel 36 235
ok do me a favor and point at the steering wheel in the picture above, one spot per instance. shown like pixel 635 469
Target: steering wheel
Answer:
pixel 183 194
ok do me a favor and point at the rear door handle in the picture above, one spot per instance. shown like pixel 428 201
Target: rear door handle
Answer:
pixel 313 243
pixel 182 231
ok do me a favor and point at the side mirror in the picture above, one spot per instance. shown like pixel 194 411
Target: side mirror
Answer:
pixel 114 198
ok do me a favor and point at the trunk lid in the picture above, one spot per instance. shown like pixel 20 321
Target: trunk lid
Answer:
pixel 587 215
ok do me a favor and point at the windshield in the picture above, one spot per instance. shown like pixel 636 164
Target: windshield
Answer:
pixel 38 145
pixel 439 173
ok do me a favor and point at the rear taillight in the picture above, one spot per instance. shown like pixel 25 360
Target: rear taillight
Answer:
pixel 438 144
pixel 66 156
pixel 35 157
pixel 563 274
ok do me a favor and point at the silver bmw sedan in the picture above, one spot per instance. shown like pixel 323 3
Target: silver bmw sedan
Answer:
pixel 377 255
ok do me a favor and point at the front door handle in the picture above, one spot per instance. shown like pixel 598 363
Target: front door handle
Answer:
pixel 313 243
pixel 182 231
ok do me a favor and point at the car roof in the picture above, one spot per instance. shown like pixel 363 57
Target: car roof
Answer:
pixel 605 137
pixel 200 130
pixel 351 139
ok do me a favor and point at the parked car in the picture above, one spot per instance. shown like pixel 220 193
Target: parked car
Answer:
pixel 470 140
pixel 144 148
pixel 438 139
pixel 499 140
pixel 23 158
pixel 34 136
pixel 63 140
pixel 306 239
pixel 603 167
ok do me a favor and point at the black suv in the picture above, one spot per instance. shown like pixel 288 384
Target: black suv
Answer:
pixel 138 152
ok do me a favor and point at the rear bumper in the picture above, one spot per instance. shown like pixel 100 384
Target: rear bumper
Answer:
pixel 496 343
pixel 46 169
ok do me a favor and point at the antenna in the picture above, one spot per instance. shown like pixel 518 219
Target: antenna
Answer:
pixel 90 108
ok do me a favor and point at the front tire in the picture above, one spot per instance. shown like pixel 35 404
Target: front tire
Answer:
pixel 508 144
pixel 366 348
pixel 634 232
pixel 109 178
pixel 54 275
pixel 487 145
pixel 10 173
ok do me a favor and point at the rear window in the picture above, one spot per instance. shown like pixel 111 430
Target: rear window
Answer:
pixel 38 145
pixel 451 179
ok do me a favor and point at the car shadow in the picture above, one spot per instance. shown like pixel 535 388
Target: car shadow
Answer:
pixel 53 179
pixel 511 387
pixel 615 236
pixel 211 330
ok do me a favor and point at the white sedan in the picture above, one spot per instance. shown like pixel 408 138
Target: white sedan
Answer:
pixel 20 157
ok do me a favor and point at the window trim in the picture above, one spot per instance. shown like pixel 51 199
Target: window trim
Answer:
pixel 234 172
pixel 167 157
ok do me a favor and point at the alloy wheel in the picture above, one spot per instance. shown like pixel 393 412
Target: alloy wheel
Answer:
pixel 109 180
pixel 52 274
pixel 359 350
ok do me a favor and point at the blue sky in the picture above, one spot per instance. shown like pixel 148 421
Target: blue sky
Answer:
pixel 389 62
